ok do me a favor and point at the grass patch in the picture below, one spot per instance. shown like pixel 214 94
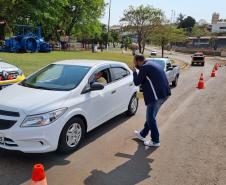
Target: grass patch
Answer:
pixel 30 62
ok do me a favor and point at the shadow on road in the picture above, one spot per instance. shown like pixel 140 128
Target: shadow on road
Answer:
pixel 134 171
pixel 16 167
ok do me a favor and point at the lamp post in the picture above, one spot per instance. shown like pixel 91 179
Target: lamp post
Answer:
pixel 109 19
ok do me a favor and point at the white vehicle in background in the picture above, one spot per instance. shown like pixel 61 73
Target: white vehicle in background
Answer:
pixel 9 74
pixel 172 71
pixel 153 53
pixel 54 108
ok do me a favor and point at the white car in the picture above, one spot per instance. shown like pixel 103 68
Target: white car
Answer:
pixel 9 74
pixel 153 53
pixel 172 71
pixel 55 107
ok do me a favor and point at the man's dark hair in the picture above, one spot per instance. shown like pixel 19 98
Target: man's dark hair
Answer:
pixel 139 57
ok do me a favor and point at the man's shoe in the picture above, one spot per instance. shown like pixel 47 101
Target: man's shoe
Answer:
pixel 137 134
pixel 151 143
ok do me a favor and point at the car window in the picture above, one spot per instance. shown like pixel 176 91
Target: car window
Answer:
pixel 57 77
pixel 53 74
pixel 198 58
pixel 168 64
pixel 119 73
pixel 101 76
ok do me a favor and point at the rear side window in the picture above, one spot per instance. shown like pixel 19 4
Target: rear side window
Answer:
pixel 198 58
pixel 118 73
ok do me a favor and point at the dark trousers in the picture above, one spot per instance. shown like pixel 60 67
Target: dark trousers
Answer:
pixel 151 124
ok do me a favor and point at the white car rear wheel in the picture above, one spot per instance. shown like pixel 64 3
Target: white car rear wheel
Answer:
pixel 133 106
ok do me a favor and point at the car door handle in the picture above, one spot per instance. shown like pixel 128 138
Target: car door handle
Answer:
pixel 113 92
pixel 131 84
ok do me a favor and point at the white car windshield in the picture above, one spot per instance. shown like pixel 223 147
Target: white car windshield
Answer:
pixel 57 77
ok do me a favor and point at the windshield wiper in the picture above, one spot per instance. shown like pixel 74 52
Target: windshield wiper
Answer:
pixel 40 87
pixel 23 83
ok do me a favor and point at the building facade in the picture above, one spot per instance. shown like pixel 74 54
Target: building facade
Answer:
pixel 218 42
pixel 219 27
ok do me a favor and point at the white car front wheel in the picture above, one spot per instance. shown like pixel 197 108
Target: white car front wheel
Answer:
pixel 72 135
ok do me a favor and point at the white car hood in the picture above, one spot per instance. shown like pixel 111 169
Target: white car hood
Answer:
pixel 32 101
pixel 7 67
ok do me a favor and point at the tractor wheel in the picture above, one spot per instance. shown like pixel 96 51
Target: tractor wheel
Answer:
pixel 31 45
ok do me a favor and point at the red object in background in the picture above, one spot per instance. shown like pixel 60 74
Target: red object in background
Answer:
pixel 216 67
pixel 10 77
pixel 202 77
pixel 0 78
pixel 201 83
pixel 213 73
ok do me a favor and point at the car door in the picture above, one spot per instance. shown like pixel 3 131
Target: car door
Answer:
pixel 99 104
pixel 123 80
pixel 169 72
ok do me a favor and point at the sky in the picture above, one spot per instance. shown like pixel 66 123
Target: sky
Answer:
pixel 199 9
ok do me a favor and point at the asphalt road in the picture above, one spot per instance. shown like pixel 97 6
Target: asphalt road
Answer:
pixel 193 144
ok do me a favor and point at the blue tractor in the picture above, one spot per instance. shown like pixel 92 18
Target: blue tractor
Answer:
pixel 27 39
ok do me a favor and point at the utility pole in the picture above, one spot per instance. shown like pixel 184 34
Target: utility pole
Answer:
pixel 109 19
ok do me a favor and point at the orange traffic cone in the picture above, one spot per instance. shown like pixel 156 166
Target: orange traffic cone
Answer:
pixel 213 73
pixel 38 175
pixel 216 67
pixel 201 84
pixel 201 77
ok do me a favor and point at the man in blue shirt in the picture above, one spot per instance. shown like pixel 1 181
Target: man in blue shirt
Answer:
pixel 156 90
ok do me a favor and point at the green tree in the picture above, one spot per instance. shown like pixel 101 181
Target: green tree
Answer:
pixel 188 23
pixel 52 15
pixel 81 12
pixel 180 19
pixel 166 34
pixel 89 33
pixel 126 42
pixel 42 12
pixel 115 37
pixel 141 21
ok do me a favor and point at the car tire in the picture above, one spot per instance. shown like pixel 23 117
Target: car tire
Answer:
pixel 72 135
pixel 174 83
pixel 133 106
pixel 192 64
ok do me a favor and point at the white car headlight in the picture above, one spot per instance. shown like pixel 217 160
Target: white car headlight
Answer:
pixel 43 119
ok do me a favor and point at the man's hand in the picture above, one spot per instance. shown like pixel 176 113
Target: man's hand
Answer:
pixel 134 65
pixel 134 68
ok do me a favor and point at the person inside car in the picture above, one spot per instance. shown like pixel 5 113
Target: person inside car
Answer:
pixel 99 78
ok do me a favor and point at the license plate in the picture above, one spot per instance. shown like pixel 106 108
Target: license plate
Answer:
pixel 1 140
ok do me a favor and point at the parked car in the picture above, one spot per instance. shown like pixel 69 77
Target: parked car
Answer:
pixel 153 53
pixel 172 71
pixel 54 108
pixel 9 74
pixel 198 58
